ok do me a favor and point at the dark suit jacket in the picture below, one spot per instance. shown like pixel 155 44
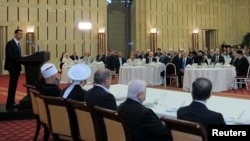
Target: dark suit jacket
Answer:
pixel 199 60
pixel 98 96
pixel 233 59
pixel 143 122
pixel 198 112
pixel 153 60
pixel 221 59
pixel 138 56
pixel 241 66
pixel 101 58
pixel 77 93
pixel 12 54
pixel 157 54
pixel 175 60
pixel 189 61
pixel 209 56
pixel 164 60
pixel 110 62
pixel 73 58
pixel 50 90
pixel 117 64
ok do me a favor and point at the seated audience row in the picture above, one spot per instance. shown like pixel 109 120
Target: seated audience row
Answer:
pixel 143 123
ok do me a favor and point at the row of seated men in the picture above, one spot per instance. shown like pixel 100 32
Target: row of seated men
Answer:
pixel 143 123
pixel 180 60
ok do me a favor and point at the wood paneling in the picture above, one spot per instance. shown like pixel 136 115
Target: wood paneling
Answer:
pixel 176 19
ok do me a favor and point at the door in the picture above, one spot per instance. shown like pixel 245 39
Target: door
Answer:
pixel 209 38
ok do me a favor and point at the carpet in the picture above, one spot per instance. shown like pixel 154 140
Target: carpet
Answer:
pixel 20 130
pixel 21 90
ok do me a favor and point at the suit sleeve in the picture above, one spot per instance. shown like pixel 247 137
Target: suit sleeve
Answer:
pixel 110 102
pixel 12 52
pixel 151 124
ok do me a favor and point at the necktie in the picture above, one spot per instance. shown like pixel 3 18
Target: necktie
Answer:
pixel 184 63
pixel 19 48
pixel 120 60
pixel 217 59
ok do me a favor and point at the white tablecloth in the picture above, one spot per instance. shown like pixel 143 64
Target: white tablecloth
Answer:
pixel 234 111
pixel 221 78
pixel 93 67
pixel 150 73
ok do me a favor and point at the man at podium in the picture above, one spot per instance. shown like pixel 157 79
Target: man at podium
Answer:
pixel 12 54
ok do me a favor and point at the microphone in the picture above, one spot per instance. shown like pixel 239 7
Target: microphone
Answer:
pixel 33 45
pixel 29 42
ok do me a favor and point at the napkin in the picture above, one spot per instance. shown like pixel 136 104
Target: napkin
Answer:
pixel 188 66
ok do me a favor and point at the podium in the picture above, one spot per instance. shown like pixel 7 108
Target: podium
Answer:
pixel 32 64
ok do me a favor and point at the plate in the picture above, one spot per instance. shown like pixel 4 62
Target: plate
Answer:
pixel 171 110
pixel 120 98
pixel 229 119
pixel 148 104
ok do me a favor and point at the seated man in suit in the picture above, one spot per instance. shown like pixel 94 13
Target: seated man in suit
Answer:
pixel 138 55
pixel 87 58
pixel 110 60
pixel 79 73
pixel 49 84
pixel 99 95
pixel 143 123
pixel 158 53
pixel 74 57
pixel 183 62
pixel 197 111
pixel 241 64
pixel 233 58
pixel 217 58
pixel 101 57
pixel 164 58
pixel 199 58
pixel 119 61
pixel 150 58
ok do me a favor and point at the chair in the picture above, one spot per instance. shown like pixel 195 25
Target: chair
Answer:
pixel 185 130
pixel 116 127
pixel 58 119
pixel 243 79
pixel 43 116
pixel 33 93
pixel 86 120
pixel 170 72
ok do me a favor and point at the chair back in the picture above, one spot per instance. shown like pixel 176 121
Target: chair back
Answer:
pixel 170 69
pixel 42 109
pixel 58 118
pixel 185 130
pixel 116 127
pixel 33 94
pixel 248 72
pixel 86 120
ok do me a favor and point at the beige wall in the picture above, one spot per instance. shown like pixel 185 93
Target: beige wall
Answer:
pixel 176 19
pixel 56 23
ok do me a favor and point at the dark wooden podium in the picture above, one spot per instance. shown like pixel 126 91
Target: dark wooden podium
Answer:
pixel 32 64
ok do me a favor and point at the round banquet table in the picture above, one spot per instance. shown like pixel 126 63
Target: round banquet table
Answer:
pixel 93 67
pixel 221 78
pixel 150 73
